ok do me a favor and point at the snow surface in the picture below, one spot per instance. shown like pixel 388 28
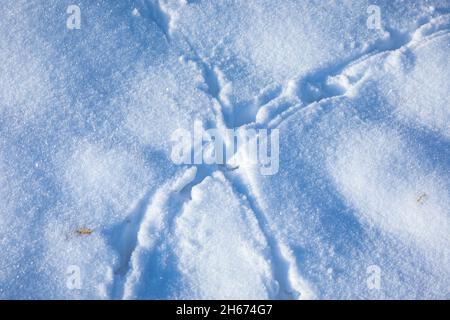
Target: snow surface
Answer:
pixel 86 119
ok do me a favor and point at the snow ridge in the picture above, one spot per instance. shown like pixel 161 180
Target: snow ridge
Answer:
pixel 325 82
pixel 275 105
pixel 160 230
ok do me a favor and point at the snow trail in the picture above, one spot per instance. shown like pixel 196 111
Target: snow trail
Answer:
pixel 278 105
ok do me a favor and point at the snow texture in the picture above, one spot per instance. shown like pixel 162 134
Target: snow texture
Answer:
pixel 93 207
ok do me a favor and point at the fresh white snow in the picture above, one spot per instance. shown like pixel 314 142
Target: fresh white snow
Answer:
pixel 93 207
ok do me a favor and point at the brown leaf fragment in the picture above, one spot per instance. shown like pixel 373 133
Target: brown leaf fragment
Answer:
pixel 84 231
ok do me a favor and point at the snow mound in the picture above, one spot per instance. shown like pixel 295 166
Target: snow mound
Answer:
pixel 220 249
pixel 92 205
pixel 408 197
pixel 210 251
pixel 421 93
